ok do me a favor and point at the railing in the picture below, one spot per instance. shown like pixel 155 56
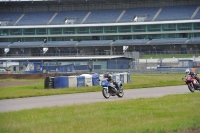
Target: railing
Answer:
pixel 147 71
pixel 131 71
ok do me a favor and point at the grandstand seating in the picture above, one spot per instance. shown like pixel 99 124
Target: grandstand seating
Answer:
pixel 130 13
pixel 61 16
pixel 11 16
pixel 130 42
pixel 26 44
pixel 35 18
pixel 164 41
pixel 176 13
pixel 94 43
pixel 103 16
pixel 4 44
pixel 197 16
pixel 60 44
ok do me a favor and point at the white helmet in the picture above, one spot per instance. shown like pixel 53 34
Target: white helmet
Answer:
pixel 187 71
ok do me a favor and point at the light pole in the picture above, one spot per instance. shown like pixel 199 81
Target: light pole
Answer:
pixel 6 64
pixel 115 63
pixel 155 50
pixel 70 51
pixel 96 51
pixel 77 52
pixel 174 50
pixel 58 51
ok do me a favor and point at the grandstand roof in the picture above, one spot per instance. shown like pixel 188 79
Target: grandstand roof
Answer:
pixel 164 41
pixel 63 58
pixel 26 44
pixel 4 44
pixel 76 2
pixel 194 40
pixel 95 43
pixel 60 44
pixel 130 42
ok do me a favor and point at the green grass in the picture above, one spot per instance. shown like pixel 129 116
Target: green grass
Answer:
pixel 137 81
pixel 170 113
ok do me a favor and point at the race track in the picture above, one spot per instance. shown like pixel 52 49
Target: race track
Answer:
pixel 80 98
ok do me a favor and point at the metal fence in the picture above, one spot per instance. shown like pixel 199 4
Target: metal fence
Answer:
pixel 149 71
pixel 131 71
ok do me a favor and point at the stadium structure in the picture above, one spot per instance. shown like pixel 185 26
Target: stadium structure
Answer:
pixel 115 30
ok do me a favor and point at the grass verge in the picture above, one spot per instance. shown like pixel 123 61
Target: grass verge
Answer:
pixel 137 81
pixel 170 113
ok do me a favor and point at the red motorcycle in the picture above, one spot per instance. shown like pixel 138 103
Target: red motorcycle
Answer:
pixel 192 83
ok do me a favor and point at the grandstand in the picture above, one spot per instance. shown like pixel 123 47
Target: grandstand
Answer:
pixel 98 27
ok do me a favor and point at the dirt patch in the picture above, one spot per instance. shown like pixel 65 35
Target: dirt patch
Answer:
pixel 16 83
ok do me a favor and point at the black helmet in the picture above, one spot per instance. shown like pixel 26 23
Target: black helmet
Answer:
pixel 109 77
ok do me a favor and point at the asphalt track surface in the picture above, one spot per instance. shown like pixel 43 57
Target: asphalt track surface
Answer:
pixel 83 98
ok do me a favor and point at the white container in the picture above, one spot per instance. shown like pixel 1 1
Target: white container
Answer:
pixel 117 78
pixel 101 78
pixel 88 79
pixel 72 81
pixel 125 77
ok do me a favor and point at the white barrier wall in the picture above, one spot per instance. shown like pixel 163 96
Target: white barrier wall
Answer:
pixel 72 81
pixel 101 78
pixel 88 79
pixel 117 77
pixel 125 77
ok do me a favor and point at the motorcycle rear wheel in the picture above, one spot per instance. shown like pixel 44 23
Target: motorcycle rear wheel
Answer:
pixel 191 87
pixel 105 93
pixel 121 93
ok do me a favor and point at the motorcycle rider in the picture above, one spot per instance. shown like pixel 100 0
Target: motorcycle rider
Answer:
pixel 112 81
pixel 192 74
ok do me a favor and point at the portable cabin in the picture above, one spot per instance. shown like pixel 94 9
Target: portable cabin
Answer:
pixel 186 63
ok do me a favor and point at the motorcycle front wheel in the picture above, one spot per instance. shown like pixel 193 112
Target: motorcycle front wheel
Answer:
pixel 191 87
pixel 121 93
pixel 105 93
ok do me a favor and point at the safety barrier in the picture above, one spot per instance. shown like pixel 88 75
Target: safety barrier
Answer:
pixel 82 80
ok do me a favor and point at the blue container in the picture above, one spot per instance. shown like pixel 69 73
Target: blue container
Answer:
pixel 80 81
pixel 122 78
pixel 128 78
pixel 61 82
pixel 95 79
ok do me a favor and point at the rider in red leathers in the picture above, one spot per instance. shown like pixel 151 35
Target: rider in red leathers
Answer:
pixel 192 74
